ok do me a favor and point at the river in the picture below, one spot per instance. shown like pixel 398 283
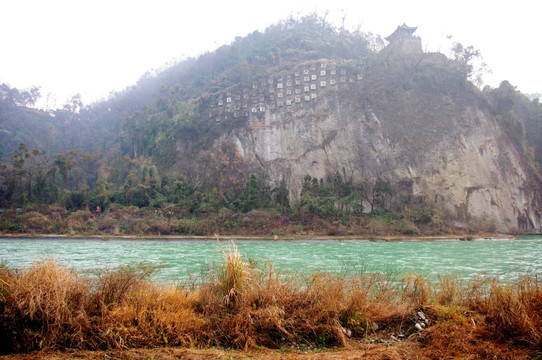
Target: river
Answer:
pixel 192 259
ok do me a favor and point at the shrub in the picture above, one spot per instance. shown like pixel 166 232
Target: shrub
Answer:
pixel 185 226
pixel 155 316
pixel 112 286
pixel 53 209
pixel 298 228
pixel 7 224
pixel 161 227
pixel 80 215
pixel 175 210
pixel 44 307
pixel 405 227
pixel 34 221
pixel 205 227
pixel 140 226
pixel 108 224
pixel 513 312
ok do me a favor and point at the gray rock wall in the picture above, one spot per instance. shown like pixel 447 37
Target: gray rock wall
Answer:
pixel 454 152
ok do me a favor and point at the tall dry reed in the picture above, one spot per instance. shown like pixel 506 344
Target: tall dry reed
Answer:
pixel 43 306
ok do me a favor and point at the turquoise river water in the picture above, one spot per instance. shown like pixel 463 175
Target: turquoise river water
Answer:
pixel 192 259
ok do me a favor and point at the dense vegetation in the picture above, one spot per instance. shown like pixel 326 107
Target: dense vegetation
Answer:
pixel 72 194
pixel 245 306
pixel 115 167
pixel 521 118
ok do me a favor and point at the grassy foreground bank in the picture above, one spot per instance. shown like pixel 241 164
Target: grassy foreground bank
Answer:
pixel 256 311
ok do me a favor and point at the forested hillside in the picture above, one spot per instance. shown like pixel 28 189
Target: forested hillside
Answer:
pixel 177 153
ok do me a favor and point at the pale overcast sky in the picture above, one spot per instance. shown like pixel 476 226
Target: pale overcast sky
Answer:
pixel 94 47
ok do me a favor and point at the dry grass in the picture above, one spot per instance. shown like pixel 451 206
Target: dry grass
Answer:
pixel 43 306
pixel 512 312
pixel 48 306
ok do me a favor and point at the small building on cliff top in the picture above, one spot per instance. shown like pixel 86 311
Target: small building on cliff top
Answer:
pixel 403 41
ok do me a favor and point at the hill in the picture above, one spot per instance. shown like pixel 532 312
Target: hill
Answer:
pixel 306 122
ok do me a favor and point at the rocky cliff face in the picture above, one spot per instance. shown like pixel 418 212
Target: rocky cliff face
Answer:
pixel 413 120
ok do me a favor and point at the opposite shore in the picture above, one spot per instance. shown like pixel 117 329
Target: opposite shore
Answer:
pixel 105 237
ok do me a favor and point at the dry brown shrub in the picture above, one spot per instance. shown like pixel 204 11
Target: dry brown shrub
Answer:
pixel 161 227
pixel 140 226
pixel 48 305
pixel 154 316
pixel 53 209
pixel 56 214
pixel 45 306
pixel 244 307
pixel 108 224
pixel 248 307
pixel 485 319
pixel 416 289
pixel 112 286
pixel 513 312
pixel 77 220
pixel 450 290
pixel 375 300
pixel 34 221
pixel 460 333
pixel 312 314
pixel 80 216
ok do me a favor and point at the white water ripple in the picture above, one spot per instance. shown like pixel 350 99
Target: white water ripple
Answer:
pixel 183 259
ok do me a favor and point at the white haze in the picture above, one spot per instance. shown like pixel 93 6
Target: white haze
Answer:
pixel 99 46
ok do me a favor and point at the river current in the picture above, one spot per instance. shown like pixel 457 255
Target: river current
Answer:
pixel 193 259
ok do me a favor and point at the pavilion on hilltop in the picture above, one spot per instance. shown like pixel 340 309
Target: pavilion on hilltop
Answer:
pixel 403 40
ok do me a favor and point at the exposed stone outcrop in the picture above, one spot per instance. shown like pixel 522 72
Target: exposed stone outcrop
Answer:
pixel 411 118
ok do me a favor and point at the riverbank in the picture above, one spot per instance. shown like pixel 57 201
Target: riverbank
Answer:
pixel 126 222
pixel 258 313
pixel 106 237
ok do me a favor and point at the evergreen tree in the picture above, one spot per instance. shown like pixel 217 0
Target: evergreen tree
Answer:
pixel 253 193
pixel 282 196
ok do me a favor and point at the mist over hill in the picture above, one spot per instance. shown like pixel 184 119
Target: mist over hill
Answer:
pixel 304 120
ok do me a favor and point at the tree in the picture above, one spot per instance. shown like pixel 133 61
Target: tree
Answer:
pixel 74 105
pixel 68 167
pixel 471 61
pixel 253 193
pixel 19 178
pixel 13 97
pixel 37 167
pixel 29 179
pixel 375 188
pixel 354 200
pixel 282 196
pixel 382 191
